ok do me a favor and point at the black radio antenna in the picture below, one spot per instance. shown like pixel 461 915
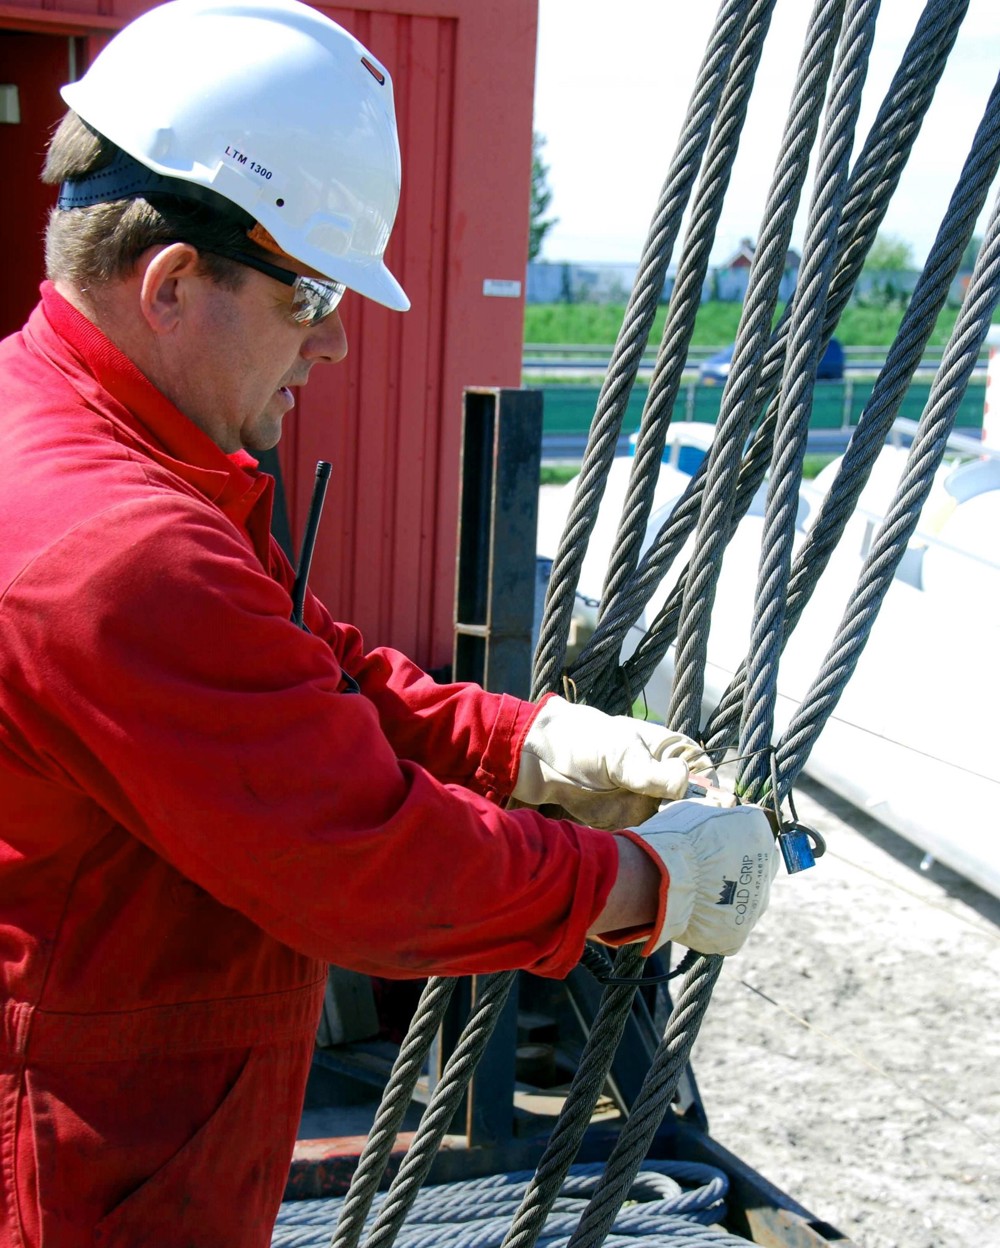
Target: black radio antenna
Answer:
pixel 323 470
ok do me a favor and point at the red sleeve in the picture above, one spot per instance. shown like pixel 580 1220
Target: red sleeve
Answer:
pixel 458 732
pixel 153 667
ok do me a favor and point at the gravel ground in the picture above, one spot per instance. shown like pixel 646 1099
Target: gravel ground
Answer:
pixel 851 1052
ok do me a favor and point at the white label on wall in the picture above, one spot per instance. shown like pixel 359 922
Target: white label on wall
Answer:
pixel 10 104
pixel 502 288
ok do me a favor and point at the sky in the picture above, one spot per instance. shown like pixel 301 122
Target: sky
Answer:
pixel 612 86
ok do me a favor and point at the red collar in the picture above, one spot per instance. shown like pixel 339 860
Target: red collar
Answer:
pixel 98 370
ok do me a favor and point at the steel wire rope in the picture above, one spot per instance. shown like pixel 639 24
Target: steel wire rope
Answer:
pixel 584 1090
pixel 396 1099
pixel 661 1081
pixel 929 296
pixel 686 512
pixel 953 413
pixel 878 168
pixel 873 181
pixel 683 1015
pixel 738 408
pixel 596 669
pixel 903 109
pixel 651 1105
pixel 685 298
pixel 775 371
pixel 674 1202
pixel 926 302
pixel 632 338
pixel 493 1195
pixel 795 399
pixel 867 15
pixel 652 647
pixel 458 1070
pixel 890 141
pixel 894 532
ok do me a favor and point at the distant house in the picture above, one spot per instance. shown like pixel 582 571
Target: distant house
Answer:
pixel 729 280
pixel 742 257
pixel 556 282
pixel 549 282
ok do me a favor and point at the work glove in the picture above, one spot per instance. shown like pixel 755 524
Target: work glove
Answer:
pixel 720 864
pixel 608 771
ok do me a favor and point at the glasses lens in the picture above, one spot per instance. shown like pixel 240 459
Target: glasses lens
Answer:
pixel 313 299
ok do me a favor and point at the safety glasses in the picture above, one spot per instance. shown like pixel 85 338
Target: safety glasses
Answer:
pixel 313 298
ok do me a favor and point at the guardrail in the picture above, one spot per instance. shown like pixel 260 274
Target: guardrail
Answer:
pixel 554 356
pixel 567 446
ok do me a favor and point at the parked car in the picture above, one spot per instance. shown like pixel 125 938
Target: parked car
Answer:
pixel 715 369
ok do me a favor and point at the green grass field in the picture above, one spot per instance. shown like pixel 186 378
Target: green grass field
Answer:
pixel 597 324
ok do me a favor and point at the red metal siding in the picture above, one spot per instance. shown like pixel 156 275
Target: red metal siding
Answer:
pixel 38 65
pixel 389 417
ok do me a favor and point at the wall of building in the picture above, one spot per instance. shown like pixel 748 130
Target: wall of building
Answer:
pixel 389 417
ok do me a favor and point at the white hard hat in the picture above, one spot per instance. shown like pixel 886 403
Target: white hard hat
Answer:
pixel 273 106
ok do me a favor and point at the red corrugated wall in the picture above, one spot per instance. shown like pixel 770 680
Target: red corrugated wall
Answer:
pixel 389 417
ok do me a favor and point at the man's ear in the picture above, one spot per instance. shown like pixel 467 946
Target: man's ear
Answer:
pixel 165 290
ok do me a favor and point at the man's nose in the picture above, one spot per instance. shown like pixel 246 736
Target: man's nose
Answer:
pixel 327 340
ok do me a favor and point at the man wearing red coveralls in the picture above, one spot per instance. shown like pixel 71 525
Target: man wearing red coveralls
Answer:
pixel 203 804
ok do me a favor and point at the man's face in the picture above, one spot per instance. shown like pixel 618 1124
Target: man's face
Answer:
pixel 241 352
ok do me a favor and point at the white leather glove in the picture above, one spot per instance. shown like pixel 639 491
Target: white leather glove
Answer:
pixel 608 771
pixel 721 863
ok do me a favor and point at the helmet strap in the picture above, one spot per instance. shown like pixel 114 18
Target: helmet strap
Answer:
pixel 126 178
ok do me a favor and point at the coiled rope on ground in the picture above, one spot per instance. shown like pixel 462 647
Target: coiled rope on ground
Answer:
pixel 763 418
pixel 670 1203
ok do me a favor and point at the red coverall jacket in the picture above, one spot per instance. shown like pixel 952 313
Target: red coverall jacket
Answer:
pixel 196 818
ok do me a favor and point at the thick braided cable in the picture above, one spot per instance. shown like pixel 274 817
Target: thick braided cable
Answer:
pixel 651 649
pixel 452 1111
pixel 873 182
pixel 795 402
pixel 928 298
pixel 654 1097
pixel 602 1219
pixel 738 407
pixel 877 170
pixel 458 1071
pixel 396 1100
pixel 588 1081
pixel 597 663
pixel 685 300
pixel 890 140
pixel 901 519
pixel 738 412
pixel 632 338
pixel 606 679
